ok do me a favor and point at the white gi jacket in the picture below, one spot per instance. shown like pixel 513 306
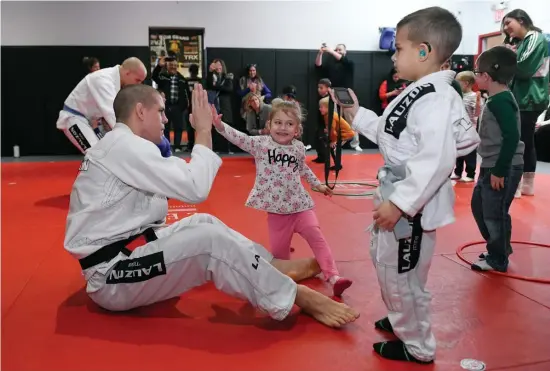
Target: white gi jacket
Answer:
pixel 93 97
pixel 122 189
pixel 426 128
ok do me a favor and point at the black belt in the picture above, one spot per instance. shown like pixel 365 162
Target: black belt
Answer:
pixel 109 252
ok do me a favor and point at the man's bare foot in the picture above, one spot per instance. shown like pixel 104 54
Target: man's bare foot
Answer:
pixel 324 309
pixel 299 269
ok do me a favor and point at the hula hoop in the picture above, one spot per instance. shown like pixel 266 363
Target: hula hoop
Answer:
pixel 362 194
pixel 516 276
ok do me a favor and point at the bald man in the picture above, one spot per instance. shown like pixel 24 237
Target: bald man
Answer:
pixel 92 100
pixel 118 204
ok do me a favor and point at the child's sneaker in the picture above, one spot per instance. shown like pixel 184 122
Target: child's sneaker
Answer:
pixel 467 179
pixel 455 177
pixel 482 265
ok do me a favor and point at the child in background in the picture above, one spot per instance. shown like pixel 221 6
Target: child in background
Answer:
pixel 290 95
pixel 472 103
pixel 278 190
pixel 501 152
pixel 346 132
pixel 323 87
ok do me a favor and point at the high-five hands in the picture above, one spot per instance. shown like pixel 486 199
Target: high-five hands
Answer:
pixel 201 117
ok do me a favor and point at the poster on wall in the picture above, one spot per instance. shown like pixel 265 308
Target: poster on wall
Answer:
pixel 186 45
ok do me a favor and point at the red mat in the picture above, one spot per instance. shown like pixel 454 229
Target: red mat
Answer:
pixel 48 322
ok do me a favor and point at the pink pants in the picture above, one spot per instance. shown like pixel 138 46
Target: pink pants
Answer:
pixel 283 226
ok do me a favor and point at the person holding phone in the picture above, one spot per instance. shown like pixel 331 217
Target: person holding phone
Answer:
pixel 340 70
pixel 178 98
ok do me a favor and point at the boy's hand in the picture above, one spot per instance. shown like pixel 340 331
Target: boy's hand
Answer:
pixel 332 144
pixel 497 183
pixel 386 215
pixel 323 189
pixel 348 112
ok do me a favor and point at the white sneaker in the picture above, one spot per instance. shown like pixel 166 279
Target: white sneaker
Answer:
pixel 467 179
pixel 482 265
pixel 454 176
pixel 528 186
pixel 358 149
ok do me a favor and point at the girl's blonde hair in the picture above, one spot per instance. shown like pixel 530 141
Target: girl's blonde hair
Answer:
pixel 292 109
pixel 324 101
pixel 466 76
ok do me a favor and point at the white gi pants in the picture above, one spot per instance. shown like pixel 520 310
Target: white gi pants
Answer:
pixel 188 254
pixel 402 268
pixel 80 132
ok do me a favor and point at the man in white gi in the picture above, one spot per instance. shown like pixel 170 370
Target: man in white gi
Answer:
pixel 420 135
pixel 120 195
pixel 92 100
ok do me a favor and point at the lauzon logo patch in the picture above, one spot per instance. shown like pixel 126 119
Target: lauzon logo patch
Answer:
pixel 409 248
pixel 282 158
pixel 80 138
pixel 396 121
pixel 138 269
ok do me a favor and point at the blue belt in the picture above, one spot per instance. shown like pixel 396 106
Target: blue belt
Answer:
pixel 97 132
pixel 73 111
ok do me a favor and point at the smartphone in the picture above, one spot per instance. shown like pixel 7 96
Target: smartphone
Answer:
pixel 343 97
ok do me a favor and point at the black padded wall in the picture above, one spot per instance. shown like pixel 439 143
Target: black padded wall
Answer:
pixel 36 81
pixel 280 67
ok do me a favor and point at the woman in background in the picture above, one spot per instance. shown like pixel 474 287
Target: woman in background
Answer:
pixel 529 86
pixel 390 88
pixel 219 85
pixel 91 64
pixel 252 83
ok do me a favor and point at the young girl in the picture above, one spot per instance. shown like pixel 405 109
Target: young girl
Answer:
pixel 278 190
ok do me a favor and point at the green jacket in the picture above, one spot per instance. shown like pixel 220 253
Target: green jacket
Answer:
pixel 530 85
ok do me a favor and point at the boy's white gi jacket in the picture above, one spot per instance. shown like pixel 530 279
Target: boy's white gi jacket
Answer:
pixel 426 128
pixel 122 189
pixel 93 97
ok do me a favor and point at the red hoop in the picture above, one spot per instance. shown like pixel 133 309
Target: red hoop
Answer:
pixel 516 276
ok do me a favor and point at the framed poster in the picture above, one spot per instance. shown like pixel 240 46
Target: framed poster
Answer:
pixel 186 45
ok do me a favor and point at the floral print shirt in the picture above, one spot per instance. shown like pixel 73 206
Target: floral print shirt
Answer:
pixel 278 187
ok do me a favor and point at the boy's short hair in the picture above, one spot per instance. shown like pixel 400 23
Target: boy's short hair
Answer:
pixel 499 62
pixel 325 82
pixel 466 76
pixel 434 26
pixel 275 102
pixel 324 101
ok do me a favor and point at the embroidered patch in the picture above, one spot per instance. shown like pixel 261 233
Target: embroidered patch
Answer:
pixel 396 121
pixel 409 248
pixel 80 138
pixel 138 269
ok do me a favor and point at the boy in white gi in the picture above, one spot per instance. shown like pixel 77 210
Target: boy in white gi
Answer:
pixel 93 98
pixel 119 201
pixel 420 135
